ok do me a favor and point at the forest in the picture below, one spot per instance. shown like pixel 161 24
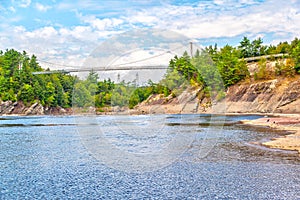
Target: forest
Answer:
pixel 212 68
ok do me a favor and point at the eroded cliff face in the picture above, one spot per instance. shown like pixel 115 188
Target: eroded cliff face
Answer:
pixel 18 108
pixel 191 100
pixel 272 96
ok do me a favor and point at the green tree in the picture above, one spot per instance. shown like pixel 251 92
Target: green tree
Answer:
pixel 81 96
pixel 257 48
pixel 93 77
pixel 212 51
pixel 270 50
pixel 296 56
pixel 50 94
pixel 208 72
pixel 286 68
pixel 283 47
pixel 183 67
pixel 231 68
pixel 104 93
pixel 262 73
pixel 245 47
pixel 121 94
pixel 18 83
pixel 26 94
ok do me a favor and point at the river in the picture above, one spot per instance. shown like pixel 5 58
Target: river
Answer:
pixel 142 157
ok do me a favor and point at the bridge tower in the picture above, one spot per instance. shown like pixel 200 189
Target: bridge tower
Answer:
pixel 137 79
pixel 118 78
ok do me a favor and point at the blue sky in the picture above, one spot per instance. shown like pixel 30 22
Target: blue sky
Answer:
pixel 67 31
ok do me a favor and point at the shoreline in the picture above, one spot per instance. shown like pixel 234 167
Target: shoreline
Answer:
pixel 285 122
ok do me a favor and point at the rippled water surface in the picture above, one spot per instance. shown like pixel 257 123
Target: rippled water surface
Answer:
pixel 136 157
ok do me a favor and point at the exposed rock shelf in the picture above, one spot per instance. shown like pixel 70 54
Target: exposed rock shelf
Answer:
pixel 18 108
pixel 272 96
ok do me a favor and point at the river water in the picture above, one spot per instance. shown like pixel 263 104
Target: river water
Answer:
pixel 142 157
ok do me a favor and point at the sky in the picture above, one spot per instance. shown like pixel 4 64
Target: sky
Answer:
pixel 68 31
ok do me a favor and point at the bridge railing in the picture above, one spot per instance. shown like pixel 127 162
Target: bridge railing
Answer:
pixel 256 58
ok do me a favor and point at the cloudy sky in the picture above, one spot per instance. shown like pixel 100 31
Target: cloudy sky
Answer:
pixel 67 31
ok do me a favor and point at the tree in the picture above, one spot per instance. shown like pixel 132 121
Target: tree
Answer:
pixel 294 43
pixel 245 47
pixel 34 64
pixel 270 50
pixel 283 47
pixel 208 73
pixel 26 94
pixel 212 51
pixel 50 94
pixel 184 67
pixel 121 94
pixel 231 68
pixel 18 83
pixel 173 79
pixel 286 69
pixel 256 47
pixel 296 56
pixel 92 77
pixel 81 96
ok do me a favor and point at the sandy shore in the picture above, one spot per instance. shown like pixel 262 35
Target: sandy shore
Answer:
pixel 289 123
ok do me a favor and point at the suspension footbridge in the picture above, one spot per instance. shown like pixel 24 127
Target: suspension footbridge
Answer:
pixel 113 68
pixel 126 67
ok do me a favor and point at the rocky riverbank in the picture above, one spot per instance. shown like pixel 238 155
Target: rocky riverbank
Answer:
pixel 18 108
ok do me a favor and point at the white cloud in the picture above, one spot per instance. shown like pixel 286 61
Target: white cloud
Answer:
pixel 144 18
pixel 100 24
pixel 63 46
pixel 44 33
pixel 41 7
pixel 24 3
pixel 18 3
pixel 222 20
pixel 219 2
pixel 12 9
pixel 203 20
pixel 86 5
